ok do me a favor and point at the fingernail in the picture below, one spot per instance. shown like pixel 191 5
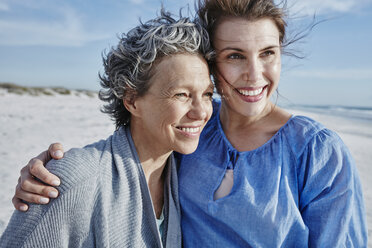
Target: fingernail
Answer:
pixel 56 182
pixel 58 153
pixel 53 194
pixel 23 208
pixel 43 200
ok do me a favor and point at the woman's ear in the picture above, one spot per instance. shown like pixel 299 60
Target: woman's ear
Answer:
pixel 130 104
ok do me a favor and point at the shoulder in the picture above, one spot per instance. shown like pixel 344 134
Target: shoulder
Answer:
pixel 103 158
pixel 317 148
pixel 304 125
pixel 80 165
pixel 313 130
pixel 301 132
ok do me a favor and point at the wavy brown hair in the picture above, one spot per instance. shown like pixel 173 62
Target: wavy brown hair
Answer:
pixel 211 12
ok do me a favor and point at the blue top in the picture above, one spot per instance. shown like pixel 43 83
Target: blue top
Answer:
pixel 300 189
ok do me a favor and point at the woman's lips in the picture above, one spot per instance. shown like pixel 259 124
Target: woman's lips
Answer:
pixel 251 94
pixel 190 131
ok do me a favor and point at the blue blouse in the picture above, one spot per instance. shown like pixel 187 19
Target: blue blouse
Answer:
pixel 300 189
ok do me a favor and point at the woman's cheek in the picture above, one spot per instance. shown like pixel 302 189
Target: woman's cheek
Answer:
pixel 277 70
pixel 229 72
pixel 272 71
pixel 277 67
pixel 209 109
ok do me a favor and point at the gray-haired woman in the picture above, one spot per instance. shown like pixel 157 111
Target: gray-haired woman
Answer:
pixel 123 191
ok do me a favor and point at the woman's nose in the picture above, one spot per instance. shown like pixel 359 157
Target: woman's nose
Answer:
pixel 252 70
pixel 199 109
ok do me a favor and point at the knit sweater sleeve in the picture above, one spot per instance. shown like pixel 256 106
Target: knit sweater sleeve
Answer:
pixel 62 222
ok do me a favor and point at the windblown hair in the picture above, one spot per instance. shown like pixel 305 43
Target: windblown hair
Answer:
pixel 129 66
pixel 211 12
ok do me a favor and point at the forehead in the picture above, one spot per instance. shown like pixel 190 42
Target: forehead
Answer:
pixel 235 29
pixel 181 70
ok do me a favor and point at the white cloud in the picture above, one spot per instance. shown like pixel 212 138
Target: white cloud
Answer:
pixel 136 1
pixel 326 6
pixel 65 29
pixel 336 74
pixel 4 7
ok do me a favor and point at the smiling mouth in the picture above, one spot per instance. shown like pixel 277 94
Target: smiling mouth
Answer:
pixel 254 92
pixel 191 130
pixel 251 94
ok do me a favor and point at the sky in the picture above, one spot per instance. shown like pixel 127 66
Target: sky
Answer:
pixel 60 43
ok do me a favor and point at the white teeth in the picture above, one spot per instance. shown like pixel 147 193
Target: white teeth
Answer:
pixel 251 92
pixel 190 129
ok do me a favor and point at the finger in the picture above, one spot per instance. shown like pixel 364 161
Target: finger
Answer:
pixel 19 205
pixel 56 150
pixel 30 197
pixel 36 168
pixel 30 185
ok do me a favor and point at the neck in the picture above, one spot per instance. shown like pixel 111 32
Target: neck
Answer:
pixel 153 160
pixel 247 133
pixel 232 120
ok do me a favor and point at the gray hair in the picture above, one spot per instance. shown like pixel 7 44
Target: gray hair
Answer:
pixel 128 66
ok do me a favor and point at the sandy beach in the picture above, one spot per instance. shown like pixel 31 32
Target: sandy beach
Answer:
pixel 28 124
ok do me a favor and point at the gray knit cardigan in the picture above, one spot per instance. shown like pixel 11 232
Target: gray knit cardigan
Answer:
pixel 104 201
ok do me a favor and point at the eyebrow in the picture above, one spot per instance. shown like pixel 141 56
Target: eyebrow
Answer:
pixel 241 50
pixel 172 88
pixel 232 48
pixel 269 47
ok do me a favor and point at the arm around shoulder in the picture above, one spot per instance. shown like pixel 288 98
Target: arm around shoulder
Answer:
pixel 61 223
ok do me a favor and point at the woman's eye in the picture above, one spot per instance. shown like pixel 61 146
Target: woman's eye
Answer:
pixel 181 95
pixel 235 56
pixel 209 95
pixel 267 53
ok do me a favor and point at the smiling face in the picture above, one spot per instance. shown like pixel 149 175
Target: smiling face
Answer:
pixel 172 114
pixel 248 65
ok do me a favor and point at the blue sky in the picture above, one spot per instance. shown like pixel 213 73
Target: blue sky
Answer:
pixel 59 43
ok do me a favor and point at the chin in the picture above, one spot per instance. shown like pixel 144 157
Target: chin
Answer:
pixel 187 149
pixel 255 109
